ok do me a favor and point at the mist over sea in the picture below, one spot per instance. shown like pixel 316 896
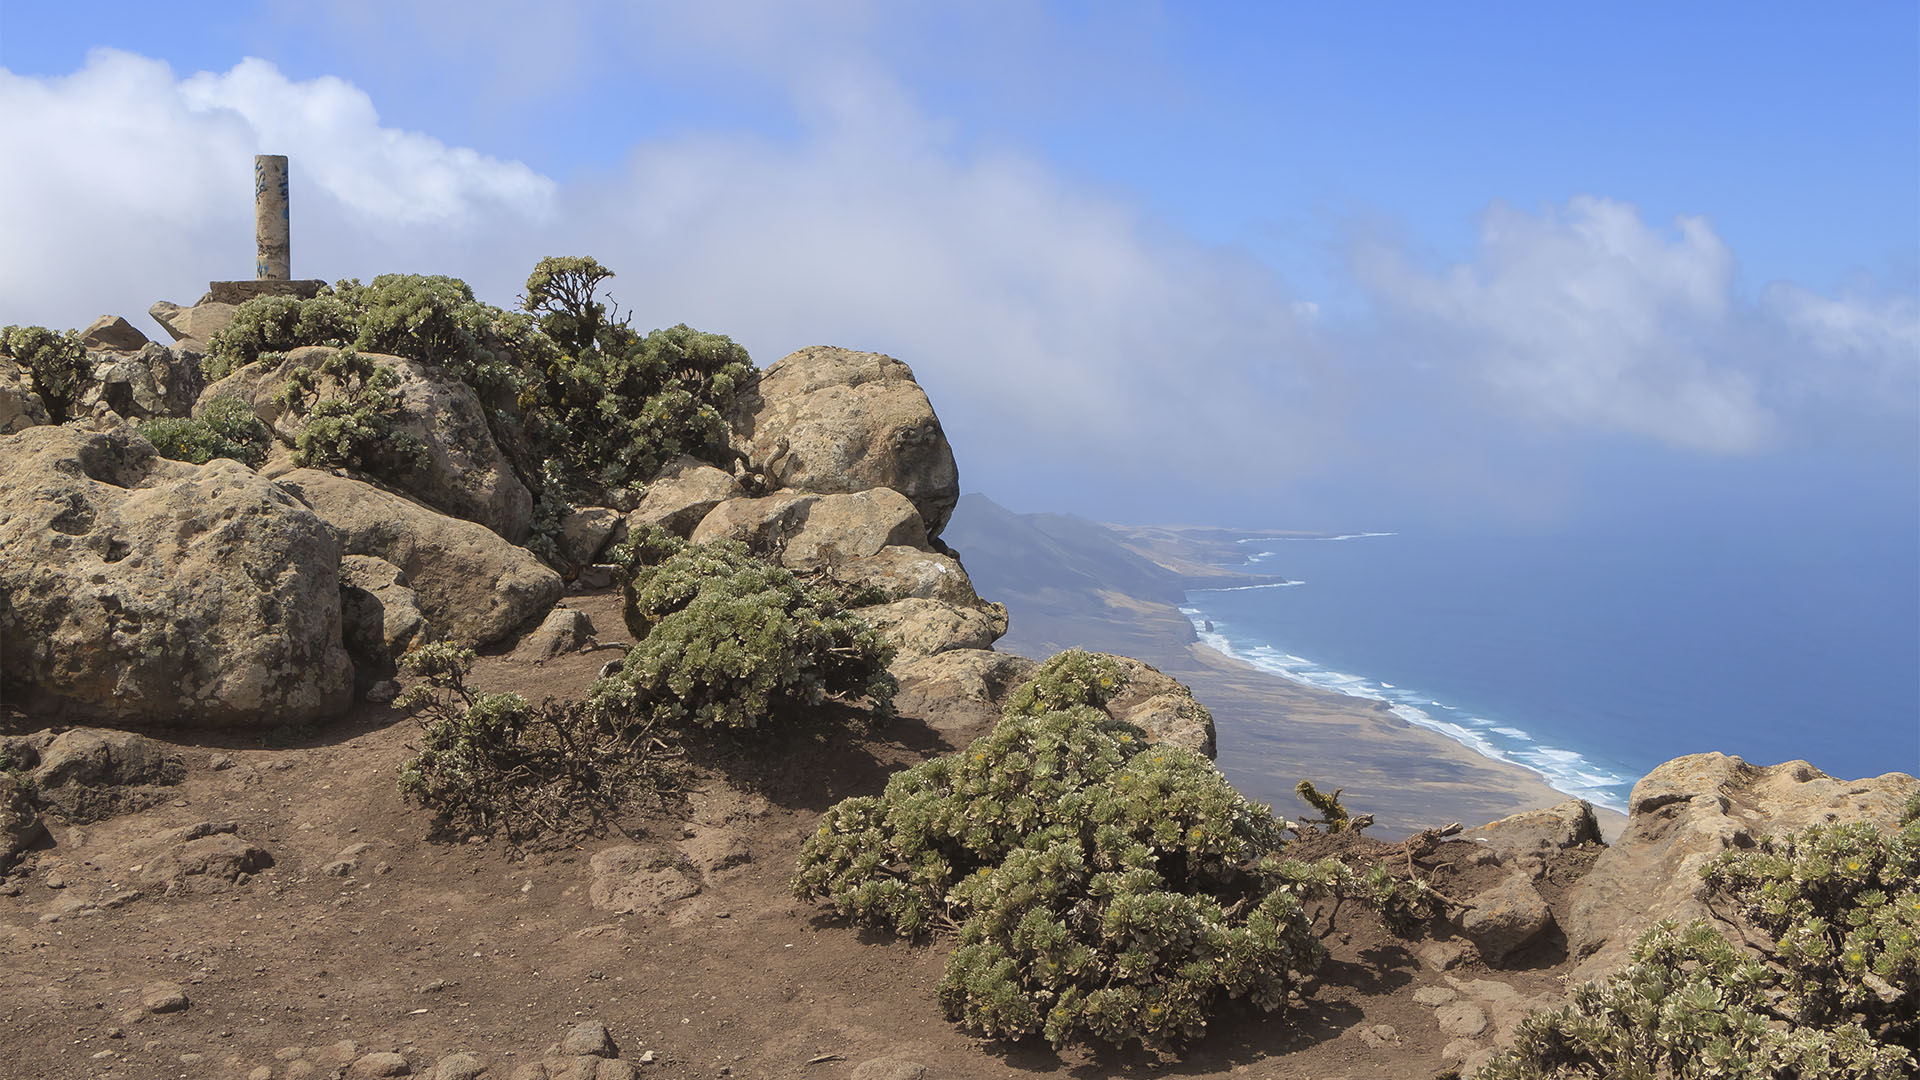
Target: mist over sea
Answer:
pixel 1593 655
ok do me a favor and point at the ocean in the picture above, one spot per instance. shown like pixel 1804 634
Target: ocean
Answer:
pixel 1591 656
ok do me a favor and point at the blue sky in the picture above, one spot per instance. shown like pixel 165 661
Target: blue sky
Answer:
pixel 1274 263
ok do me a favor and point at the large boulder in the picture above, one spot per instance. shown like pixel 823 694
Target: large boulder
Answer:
pixel 473 587
pixel 85 774
pixel 20 407
pixel 1506 918
pixel 919 627
pixel 835 421
pixel 958 691
pixel 814 532
pixel 901 571
pixel 196 324
pixel 111 333
pixel 144 384
pixel 1684 814
pixel 466 474
pixel 140 590
pixel 683 494
pixel 1539 832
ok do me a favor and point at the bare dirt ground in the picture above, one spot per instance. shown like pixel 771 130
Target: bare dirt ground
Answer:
pixel 370 928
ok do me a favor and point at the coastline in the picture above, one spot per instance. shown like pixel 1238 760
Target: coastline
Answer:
pixel 1072 583
pixel 1273 732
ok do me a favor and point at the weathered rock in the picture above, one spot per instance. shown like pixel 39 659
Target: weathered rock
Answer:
pixel 584 532
pixel 683 493
pixel 195 324
pixel 889 1068
pixel 630 879
pixel 20 407
pixel 85 774
pixel 902 572
pixel 146 384
pixel 141 590
pixel 834 421
pixel 562 631
pixel 473 587
pixel 836 529
pixel 1506 918
pixel 111 333
pixel 459 1066
pixel 1461 1019
pixel 20 825
pixel 245 289
pixel 1538 832
pixel 378 1065
pixel 588 1037
pixel 959 691
pixel 1684 814
pixel 466 475
pixel 924 627
pixel 163 997
pixel 210 849
pixel 1379 1036
pixel 764 524
pixel 1162 706
pixel 379 613
pixel 1434 996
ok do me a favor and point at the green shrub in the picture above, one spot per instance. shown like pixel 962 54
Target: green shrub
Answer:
pixel 490 761
pixel 266 326
pixel 1103 887
pixel 1074 677
pixel 730 640
pixel 350 405
pixel 56 363
pixel 561 293
pixel 1826 987
pixel 618 415
pixel 226 428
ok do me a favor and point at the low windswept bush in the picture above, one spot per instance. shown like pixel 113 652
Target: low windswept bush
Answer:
pixel 226 428
pixel 496 761
pixel 726 639
pixel 56 363
pixel 1103 887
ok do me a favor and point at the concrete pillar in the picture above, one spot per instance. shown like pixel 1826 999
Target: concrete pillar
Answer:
pixel 272 229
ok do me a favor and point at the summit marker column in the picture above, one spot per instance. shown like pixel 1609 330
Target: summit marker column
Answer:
pixel 272 227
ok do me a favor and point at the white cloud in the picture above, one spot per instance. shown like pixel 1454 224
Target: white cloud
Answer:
pixel 123 184
pixel 1586 317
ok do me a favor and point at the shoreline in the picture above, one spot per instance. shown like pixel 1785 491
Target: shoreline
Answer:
pixel 1273 732
pixel 1362 688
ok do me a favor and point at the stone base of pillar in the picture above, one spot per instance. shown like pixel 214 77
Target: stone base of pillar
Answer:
pixel 239 292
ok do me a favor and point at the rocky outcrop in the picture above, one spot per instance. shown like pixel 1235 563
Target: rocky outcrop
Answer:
pixel 681 495
pixel 1162 706
pixel 85 774
pixel 815 532
pixel 195 325
pixel 379 612
pixel 111 333
pixel 834 421
pixel 1684 814
pixel 137 590
pixel 1539 832
pixel 20 407
pixel 900 572
pixel 466 474
pixel 147 383
pixel 919 627
pixel 473 587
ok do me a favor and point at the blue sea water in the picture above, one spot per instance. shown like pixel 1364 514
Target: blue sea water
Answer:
pixel 1592 655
